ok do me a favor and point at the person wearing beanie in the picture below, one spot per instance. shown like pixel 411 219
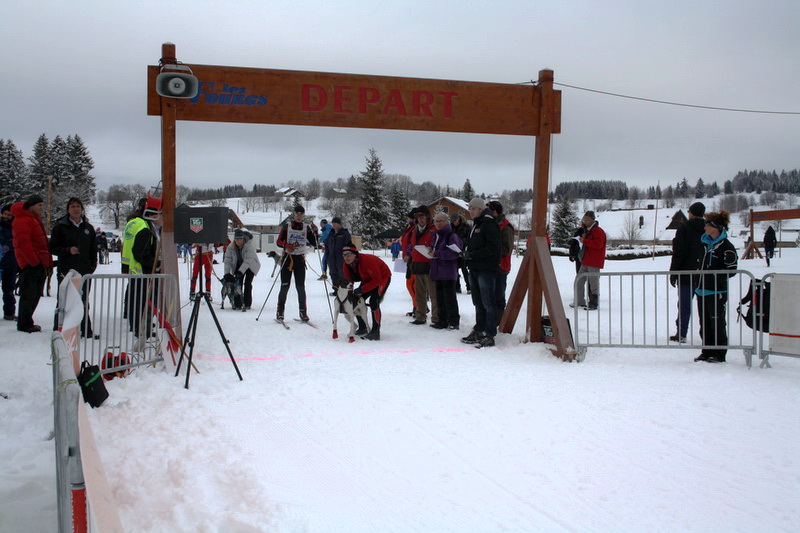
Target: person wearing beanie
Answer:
pixel 325 232
pixel 33 258
pixel 506 249
pixel 483 258
pixel 337 238
pixel 294 238
pixel 375 276
pixel 74 242
pixel 687 250
pixel 444 272
pixel 405 254
pixel 8 264
pixel 424 289
pixel 241 266
pixel 712 290
pixel 593 258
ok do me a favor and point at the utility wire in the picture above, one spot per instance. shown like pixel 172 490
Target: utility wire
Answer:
pixel 676 103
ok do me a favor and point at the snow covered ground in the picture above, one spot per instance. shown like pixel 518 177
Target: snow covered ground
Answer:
pixel 417 432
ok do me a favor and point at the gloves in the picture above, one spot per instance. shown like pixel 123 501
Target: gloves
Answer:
pixel 673 280
pixel 239 275
pixel 571 259
pixel 357 290
pixel 229 278
pixel 289 246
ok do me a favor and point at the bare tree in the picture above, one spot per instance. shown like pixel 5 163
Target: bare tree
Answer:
pixel 631 232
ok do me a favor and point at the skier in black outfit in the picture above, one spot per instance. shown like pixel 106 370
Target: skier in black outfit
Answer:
pixel 770 241
pixel 712 289
pixel 687 250
pixel 293 238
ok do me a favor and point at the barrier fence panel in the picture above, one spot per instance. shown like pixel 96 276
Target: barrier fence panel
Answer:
pixel 70 488
pixel 777 312
pixel 641 310
pixel 131 317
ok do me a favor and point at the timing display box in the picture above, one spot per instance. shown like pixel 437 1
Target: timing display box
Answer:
pixel 201 225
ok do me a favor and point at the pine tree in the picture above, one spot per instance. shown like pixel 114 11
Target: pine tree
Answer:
pixel 13 173
pixel 40 168
pixel 81 164
pixel 468 193
pixel 399 208
pixel 700 189
pixel 373 217
pixel 565 222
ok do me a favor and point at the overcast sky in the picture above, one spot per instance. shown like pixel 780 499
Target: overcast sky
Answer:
pixel 79 67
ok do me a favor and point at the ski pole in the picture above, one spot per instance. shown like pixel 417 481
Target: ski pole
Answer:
pixel 325 285
pixel 283 260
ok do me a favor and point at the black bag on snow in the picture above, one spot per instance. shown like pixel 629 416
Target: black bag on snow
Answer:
pixel 755 297
pixel 92 385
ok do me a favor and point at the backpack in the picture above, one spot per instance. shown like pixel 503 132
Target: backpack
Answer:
pixel 754 297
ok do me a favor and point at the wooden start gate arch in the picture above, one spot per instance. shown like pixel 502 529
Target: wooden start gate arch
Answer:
pixel 265 96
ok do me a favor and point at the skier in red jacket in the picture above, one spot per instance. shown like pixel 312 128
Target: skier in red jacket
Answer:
pixel 374 276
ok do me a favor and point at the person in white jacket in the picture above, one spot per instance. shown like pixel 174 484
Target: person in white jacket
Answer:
pixel 242 264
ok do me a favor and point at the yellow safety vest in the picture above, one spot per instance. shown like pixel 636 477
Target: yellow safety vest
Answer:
pixel 133 227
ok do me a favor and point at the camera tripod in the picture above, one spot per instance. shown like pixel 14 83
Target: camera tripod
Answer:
pixel 191 331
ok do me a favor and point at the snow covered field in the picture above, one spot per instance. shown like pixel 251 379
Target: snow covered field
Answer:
pixel 417 432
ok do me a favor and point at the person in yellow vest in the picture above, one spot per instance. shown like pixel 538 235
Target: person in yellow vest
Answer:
pixel 140 254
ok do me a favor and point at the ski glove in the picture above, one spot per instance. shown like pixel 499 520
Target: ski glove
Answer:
pixel 288 246
pixel 673 280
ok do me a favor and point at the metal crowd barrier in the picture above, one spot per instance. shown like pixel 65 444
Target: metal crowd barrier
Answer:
pixel 130 317
pixel 782 304
pixel 70 487
pixel 639 310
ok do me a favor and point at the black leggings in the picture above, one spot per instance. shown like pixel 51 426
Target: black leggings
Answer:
pixel 294 264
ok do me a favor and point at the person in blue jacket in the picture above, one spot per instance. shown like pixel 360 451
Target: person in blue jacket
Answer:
pixel 326 230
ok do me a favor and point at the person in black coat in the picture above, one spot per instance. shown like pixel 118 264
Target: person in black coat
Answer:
pixel 687 250
pixel 575 247
pixel 74 243
pixel 336 240
pixel 483 258
pixel 8 264
pixel 770 242
pixel 712 288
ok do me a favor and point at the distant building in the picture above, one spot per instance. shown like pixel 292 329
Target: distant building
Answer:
pixel 289 192
pixel 677 219
pixel 450 206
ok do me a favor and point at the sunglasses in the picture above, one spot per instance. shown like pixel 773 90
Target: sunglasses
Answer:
pixel 347 254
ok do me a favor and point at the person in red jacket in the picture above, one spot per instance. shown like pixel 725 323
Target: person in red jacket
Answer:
pixel 593 258
pixel 374 276
pixel 33 257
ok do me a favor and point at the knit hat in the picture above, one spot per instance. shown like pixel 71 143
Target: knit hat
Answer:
pixel 698 209
pixel 336 220
pixel 323 221
pixel 238 234
pixel 32 200
pixel 590 214
pixel 412 213
pixel 299 209
pixel 494 205
pixel 423 211
pixel 350 247
pixel 478 203
pixel 6 208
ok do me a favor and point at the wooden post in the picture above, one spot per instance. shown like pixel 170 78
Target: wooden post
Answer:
pixel 169 254
pixel 537 275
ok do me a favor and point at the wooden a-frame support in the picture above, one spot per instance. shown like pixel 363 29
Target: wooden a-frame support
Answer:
pixel 536 276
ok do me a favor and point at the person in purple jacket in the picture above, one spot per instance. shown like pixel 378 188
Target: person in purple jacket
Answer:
pixel 447 247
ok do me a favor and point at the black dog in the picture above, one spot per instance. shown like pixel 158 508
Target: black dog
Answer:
pixel 232 290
